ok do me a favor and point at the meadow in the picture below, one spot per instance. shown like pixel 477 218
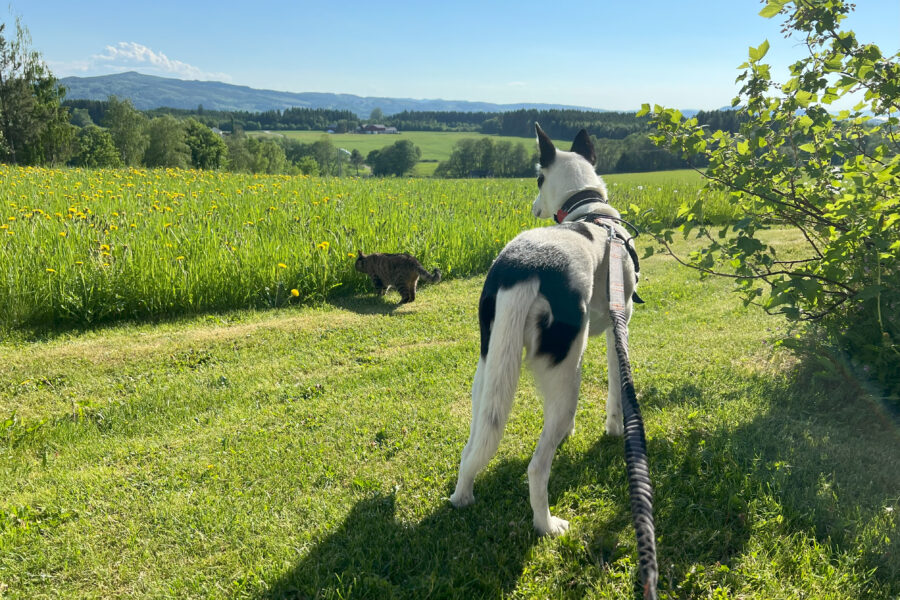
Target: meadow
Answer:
pixel 212 441
pixel 436 146
pixel 82 247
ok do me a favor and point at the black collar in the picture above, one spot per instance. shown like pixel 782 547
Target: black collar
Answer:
pixel 578 200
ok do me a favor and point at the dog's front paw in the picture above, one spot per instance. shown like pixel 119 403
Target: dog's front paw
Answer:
pixel 460 499
pixel 554 527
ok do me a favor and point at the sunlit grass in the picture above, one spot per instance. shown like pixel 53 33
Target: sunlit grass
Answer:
pixel 82 246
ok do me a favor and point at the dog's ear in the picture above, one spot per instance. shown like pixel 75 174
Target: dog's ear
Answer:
pixel 584 147
pixel 545 144
pixel 359 254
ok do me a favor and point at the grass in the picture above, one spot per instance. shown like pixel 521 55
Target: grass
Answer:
pixel 435 145
pixel 84 247
pixel 309 452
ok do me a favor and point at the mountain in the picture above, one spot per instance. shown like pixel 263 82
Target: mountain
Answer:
pixel 149 91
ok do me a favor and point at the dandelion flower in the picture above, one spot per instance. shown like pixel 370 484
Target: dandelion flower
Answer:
pixel 323 246
pixel 62 234
pixel 51 270
pixel 295 293
pixel 282 265
pixel 179 258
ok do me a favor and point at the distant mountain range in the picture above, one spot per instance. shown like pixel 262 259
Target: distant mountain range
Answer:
pixel 148 91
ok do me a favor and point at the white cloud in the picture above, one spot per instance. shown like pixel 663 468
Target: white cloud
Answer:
pixel 131 56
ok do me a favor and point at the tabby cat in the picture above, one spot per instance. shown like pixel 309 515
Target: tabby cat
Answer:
pixel 399 271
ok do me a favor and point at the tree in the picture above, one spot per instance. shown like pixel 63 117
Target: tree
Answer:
pixel 96 149
pixel 81 117
pixel 397 159
pixel 357 159
pixel 239 157
pixel 34 127
pixel 166 145
pixel 834 178
pixel 376 116
pixel 128 128
pixel 267 156
pixel 208 150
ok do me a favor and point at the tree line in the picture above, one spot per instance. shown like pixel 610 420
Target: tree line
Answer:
pixel 38 126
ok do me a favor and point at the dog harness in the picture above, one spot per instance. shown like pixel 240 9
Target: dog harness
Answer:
pixel 617 239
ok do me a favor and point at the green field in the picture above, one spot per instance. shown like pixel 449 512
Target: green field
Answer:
pixel 436 146
pixel 309 452
pixel 174 422
pixel 83 247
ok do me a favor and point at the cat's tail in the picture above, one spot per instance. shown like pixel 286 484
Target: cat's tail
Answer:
pixel 432 277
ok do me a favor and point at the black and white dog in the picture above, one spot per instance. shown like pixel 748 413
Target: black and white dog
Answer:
pixel 547 291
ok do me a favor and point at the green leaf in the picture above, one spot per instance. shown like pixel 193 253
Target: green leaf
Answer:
pixel 772 8
pixel 870 291
pixel 756 54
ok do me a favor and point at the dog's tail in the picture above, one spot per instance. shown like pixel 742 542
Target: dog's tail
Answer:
pixel 504 327
pixel 432 277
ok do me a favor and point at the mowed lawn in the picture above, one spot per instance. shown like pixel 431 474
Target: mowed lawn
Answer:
pixel 309 452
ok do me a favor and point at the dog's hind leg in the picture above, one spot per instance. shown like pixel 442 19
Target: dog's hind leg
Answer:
pixel 489 414
pixel 494 386
pixel 559 386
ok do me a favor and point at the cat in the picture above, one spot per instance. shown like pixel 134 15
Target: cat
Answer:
pixel 398 271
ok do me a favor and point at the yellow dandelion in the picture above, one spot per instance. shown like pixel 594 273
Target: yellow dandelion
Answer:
pixel 282 265
pixel 179 258
pixel 62 234
pixel 323 246
pixel 79 263
pixel 295 293
pixel 104 247
pixel 51 270
pixel 351 255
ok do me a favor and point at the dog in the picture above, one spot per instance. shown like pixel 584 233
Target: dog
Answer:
pixel 547 290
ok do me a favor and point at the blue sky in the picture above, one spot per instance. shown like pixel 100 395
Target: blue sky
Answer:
pixel 610 55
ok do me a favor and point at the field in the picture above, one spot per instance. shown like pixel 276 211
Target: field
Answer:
pixel 200 444
pixel 436 146
pixel 83 247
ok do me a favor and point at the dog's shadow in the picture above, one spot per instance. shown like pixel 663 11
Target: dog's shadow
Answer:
pixel 478 551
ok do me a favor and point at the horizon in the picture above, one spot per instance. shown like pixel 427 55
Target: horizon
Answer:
pixel 685 58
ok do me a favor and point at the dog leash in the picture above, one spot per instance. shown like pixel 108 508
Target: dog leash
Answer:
pixel 636 463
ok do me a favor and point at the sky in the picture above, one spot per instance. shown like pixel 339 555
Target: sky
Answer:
pixel 600 54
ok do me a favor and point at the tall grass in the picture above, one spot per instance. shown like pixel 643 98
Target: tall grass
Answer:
pixel 81 246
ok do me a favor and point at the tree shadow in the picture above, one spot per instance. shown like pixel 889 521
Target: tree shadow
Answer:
pixel 478 551
pixel 819 465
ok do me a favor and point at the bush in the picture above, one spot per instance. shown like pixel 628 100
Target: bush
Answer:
pixel 833 177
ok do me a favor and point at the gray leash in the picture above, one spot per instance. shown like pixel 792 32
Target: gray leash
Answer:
pixel 636 464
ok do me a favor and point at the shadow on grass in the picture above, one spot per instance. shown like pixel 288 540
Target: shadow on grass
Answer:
pixel 475 552
pixel 367 304
pixel 819 467
pixel 809 483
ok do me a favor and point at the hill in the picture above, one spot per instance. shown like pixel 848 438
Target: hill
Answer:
pixel 149 91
